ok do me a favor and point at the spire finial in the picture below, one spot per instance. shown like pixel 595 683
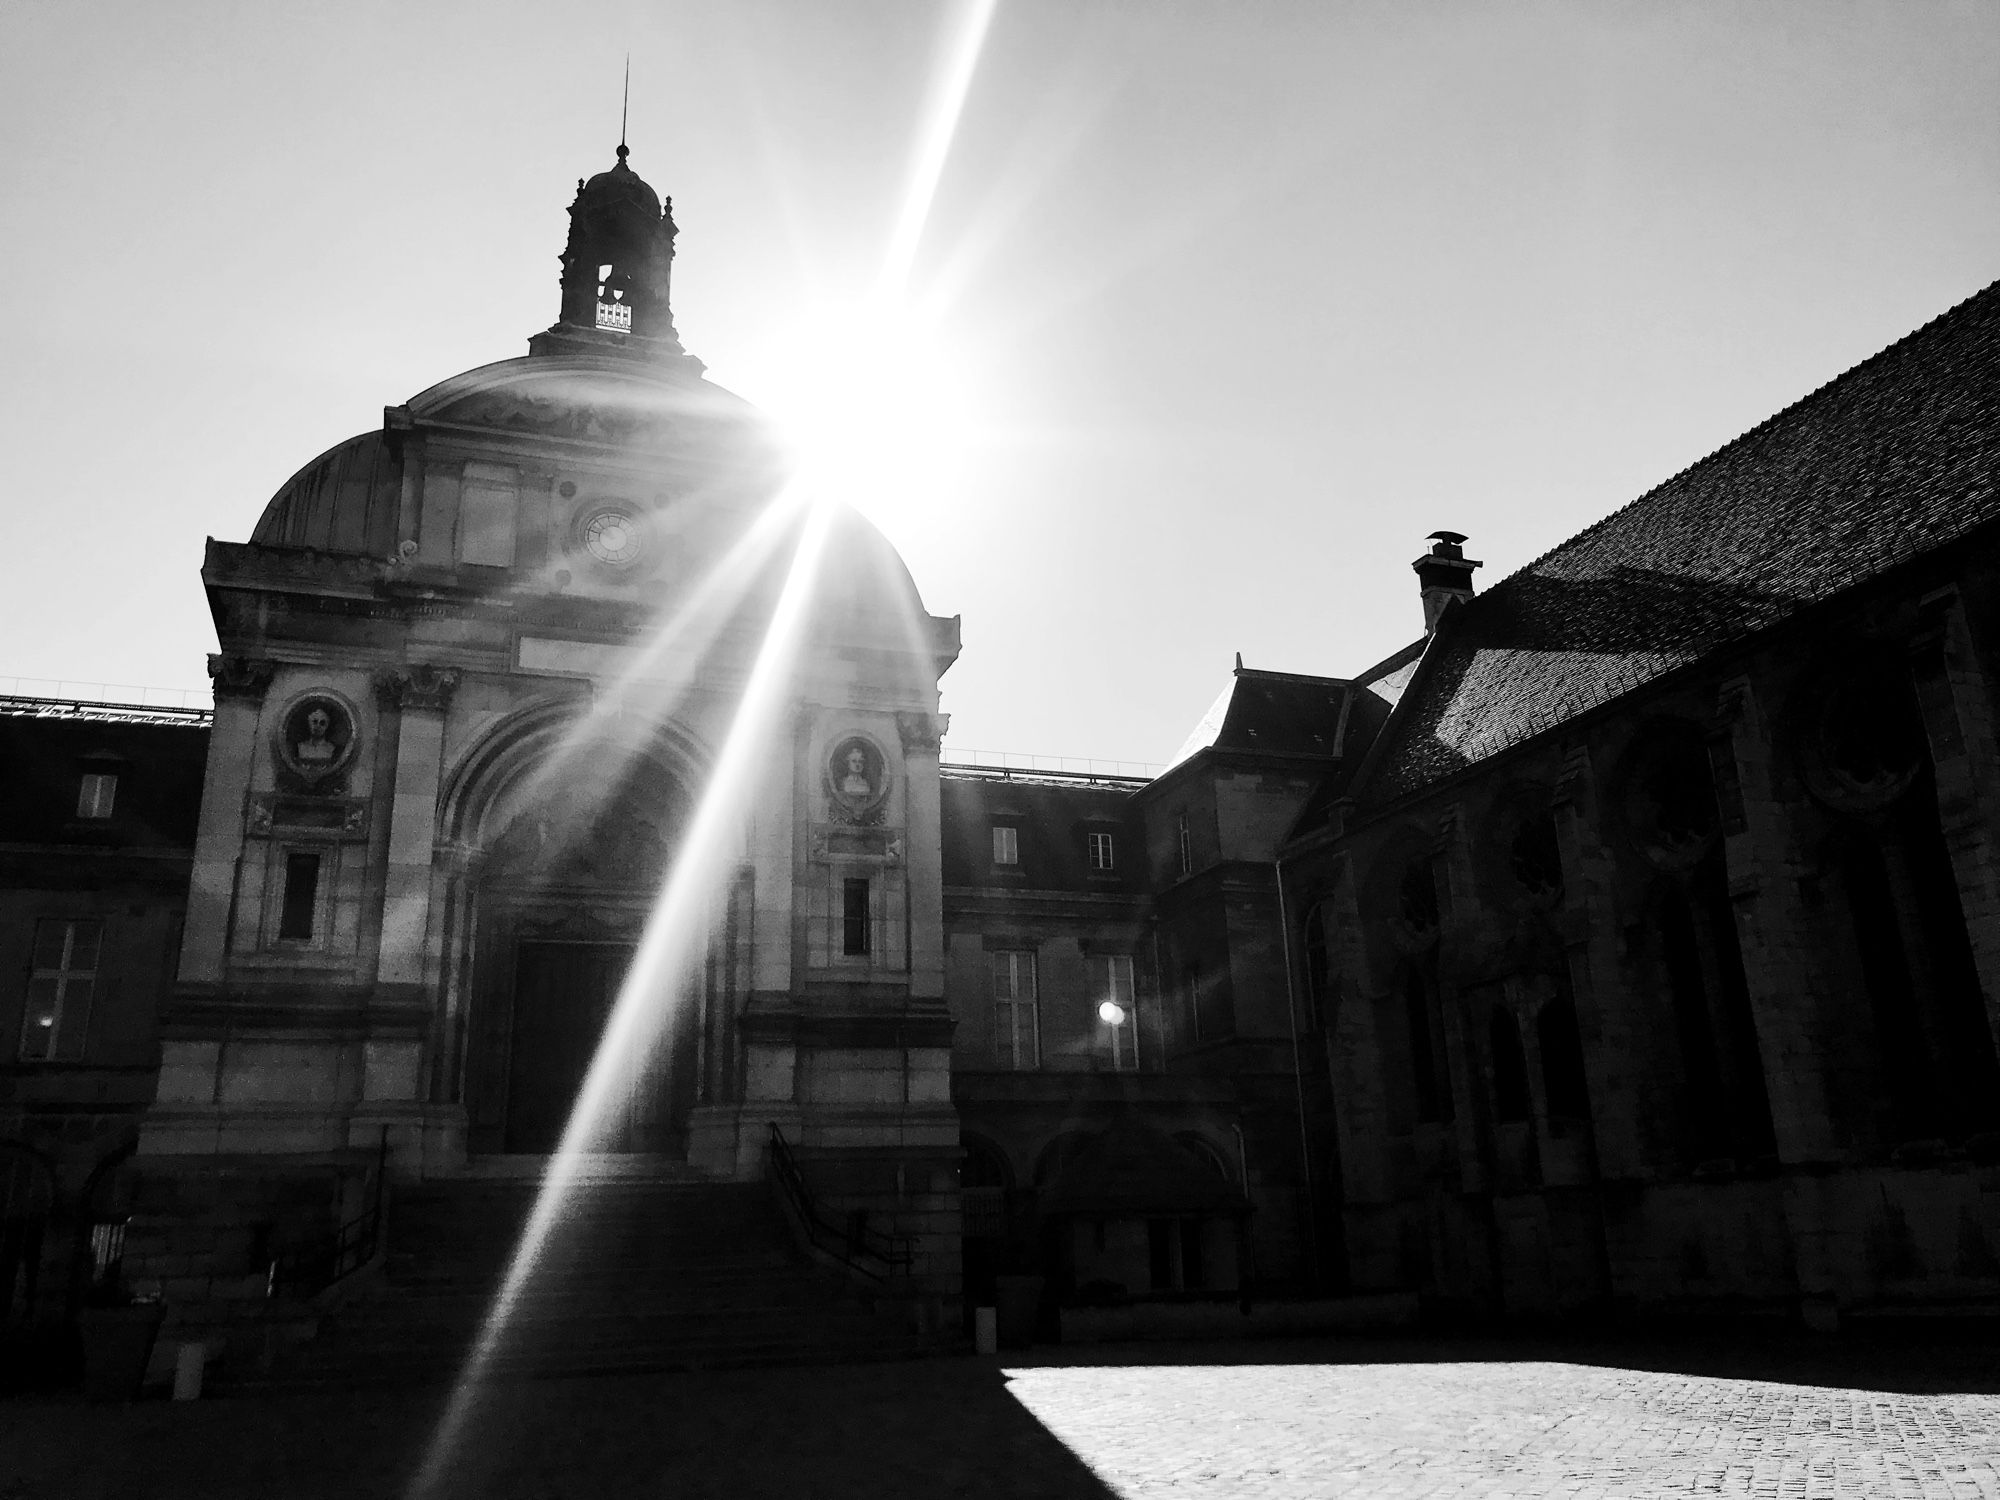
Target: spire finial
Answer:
pixel 625 108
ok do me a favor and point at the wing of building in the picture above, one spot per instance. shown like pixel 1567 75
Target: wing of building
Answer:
pixel 1631 939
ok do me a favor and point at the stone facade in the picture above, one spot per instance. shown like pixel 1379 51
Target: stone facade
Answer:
pixel 1630 940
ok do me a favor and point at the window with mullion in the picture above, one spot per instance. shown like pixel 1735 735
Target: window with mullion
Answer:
pixel 1016 1034
pixel 1111 980
pixel 61 983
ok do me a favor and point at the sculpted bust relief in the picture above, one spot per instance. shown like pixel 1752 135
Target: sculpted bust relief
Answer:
pixel 858 777
pixel 315 740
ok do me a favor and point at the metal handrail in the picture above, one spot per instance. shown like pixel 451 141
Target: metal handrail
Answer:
pixel 308 1269
pixel 848 1243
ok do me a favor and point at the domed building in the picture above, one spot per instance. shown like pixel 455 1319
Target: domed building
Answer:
pixel 477 671
pixel 1628 942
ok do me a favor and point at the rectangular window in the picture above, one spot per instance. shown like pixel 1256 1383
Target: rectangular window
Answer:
pixel 1006 844
pixel 61 981
pixel 1100 850
pixel 95 794
pixel 854 916
pixel 1111 986
pixel 1016 1038
pixel 1183 846
pixel 295 917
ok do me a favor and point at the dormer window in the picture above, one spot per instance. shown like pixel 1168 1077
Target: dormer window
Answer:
pixel 1098 847
pixel 95 794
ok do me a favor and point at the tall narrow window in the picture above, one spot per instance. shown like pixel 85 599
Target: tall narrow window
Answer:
pixel 1016 1037
pixel 60 985
pixel 1561 1044
pixel 1099 850
pixel 854 916
pixel 1427 1072
pixel 1006 844
pixel 95 794
pixel 1114 1003
pixel 295 916
pixel 1183 847
pixel 1510 1069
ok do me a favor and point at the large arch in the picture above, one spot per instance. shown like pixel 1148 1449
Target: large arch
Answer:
pixel 559 824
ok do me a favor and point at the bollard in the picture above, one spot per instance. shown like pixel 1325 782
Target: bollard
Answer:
pixel 986 1330
pixel 188 1363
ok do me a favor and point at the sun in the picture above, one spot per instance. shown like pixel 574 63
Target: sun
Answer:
pixel 874 407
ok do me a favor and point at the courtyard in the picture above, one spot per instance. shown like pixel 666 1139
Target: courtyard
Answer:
pixel 1742 1414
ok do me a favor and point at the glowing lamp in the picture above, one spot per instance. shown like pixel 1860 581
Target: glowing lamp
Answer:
pixel 1111 1013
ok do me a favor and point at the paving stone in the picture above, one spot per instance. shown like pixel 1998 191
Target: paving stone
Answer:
pixel 1781 1418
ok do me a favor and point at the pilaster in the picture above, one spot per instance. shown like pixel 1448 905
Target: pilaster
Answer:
pixel 1958 723
pixel 240 685
pixel 922 735
pixel 419 695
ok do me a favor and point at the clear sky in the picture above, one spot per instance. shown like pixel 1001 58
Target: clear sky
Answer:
pixel 1239 301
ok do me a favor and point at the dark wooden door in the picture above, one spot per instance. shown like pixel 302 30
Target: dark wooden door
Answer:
pixel 563 994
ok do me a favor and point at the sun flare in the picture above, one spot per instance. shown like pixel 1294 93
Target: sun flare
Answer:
pixel 875 407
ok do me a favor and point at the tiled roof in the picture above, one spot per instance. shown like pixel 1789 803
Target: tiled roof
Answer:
pixel 1890 460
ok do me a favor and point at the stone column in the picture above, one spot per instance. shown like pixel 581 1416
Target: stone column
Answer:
pixel 240 685
pixel 420 694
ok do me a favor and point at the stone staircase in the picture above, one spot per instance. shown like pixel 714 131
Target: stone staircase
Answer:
pixel 642 1272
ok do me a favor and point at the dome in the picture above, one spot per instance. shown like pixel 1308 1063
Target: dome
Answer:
pixel 619 190
pixel 343 501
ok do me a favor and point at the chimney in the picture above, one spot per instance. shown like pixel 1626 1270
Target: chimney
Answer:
pixel 1445 573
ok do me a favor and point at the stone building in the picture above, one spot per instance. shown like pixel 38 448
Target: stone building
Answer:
pixel 1631 939
pixel 97 820
pixel 1653 941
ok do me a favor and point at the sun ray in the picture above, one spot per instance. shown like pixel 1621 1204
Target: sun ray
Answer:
pixel 674 937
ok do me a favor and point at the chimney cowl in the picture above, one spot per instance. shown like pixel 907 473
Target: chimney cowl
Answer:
pixel 1444 574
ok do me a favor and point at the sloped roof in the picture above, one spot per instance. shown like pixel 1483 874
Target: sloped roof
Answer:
pixel 1890 460
pixel 1278 713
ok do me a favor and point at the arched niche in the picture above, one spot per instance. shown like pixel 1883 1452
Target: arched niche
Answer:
pixel 564 823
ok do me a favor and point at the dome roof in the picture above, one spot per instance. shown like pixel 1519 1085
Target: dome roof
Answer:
pixel 619 188
pixel 343 501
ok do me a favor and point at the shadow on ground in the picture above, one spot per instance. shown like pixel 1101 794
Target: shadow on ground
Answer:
pixel 929 1428
pixel 946 1427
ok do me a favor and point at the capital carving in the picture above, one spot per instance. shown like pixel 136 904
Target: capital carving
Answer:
pixel 421 686
pixel 240 676
pixel 922 731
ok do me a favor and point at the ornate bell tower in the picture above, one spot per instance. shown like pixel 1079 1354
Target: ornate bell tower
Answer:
pixel 617 270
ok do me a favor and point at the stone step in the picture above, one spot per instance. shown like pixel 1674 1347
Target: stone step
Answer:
pixel 556 1364
pixel 639 1275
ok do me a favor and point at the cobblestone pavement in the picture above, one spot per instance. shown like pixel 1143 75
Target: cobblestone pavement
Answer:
pixel 1775 1417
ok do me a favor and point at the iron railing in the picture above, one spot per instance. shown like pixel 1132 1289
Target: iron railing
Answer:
pixel 310 1268
pixel 854 1242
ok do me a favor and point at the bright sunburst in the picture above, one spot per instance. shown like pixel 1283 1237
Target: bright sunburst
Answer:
pixel 874 406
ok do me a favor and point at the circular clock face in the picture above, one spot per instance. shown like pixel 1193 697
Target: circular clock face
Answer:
pixel 612 536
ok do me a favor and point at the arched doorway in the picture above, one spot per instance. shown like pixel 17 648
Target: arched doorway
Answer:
pixel 557 898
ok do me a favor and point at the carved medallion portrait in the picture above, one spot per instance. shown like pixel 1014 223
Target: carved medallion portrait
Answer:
pixel 857 775
pixel 316 740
